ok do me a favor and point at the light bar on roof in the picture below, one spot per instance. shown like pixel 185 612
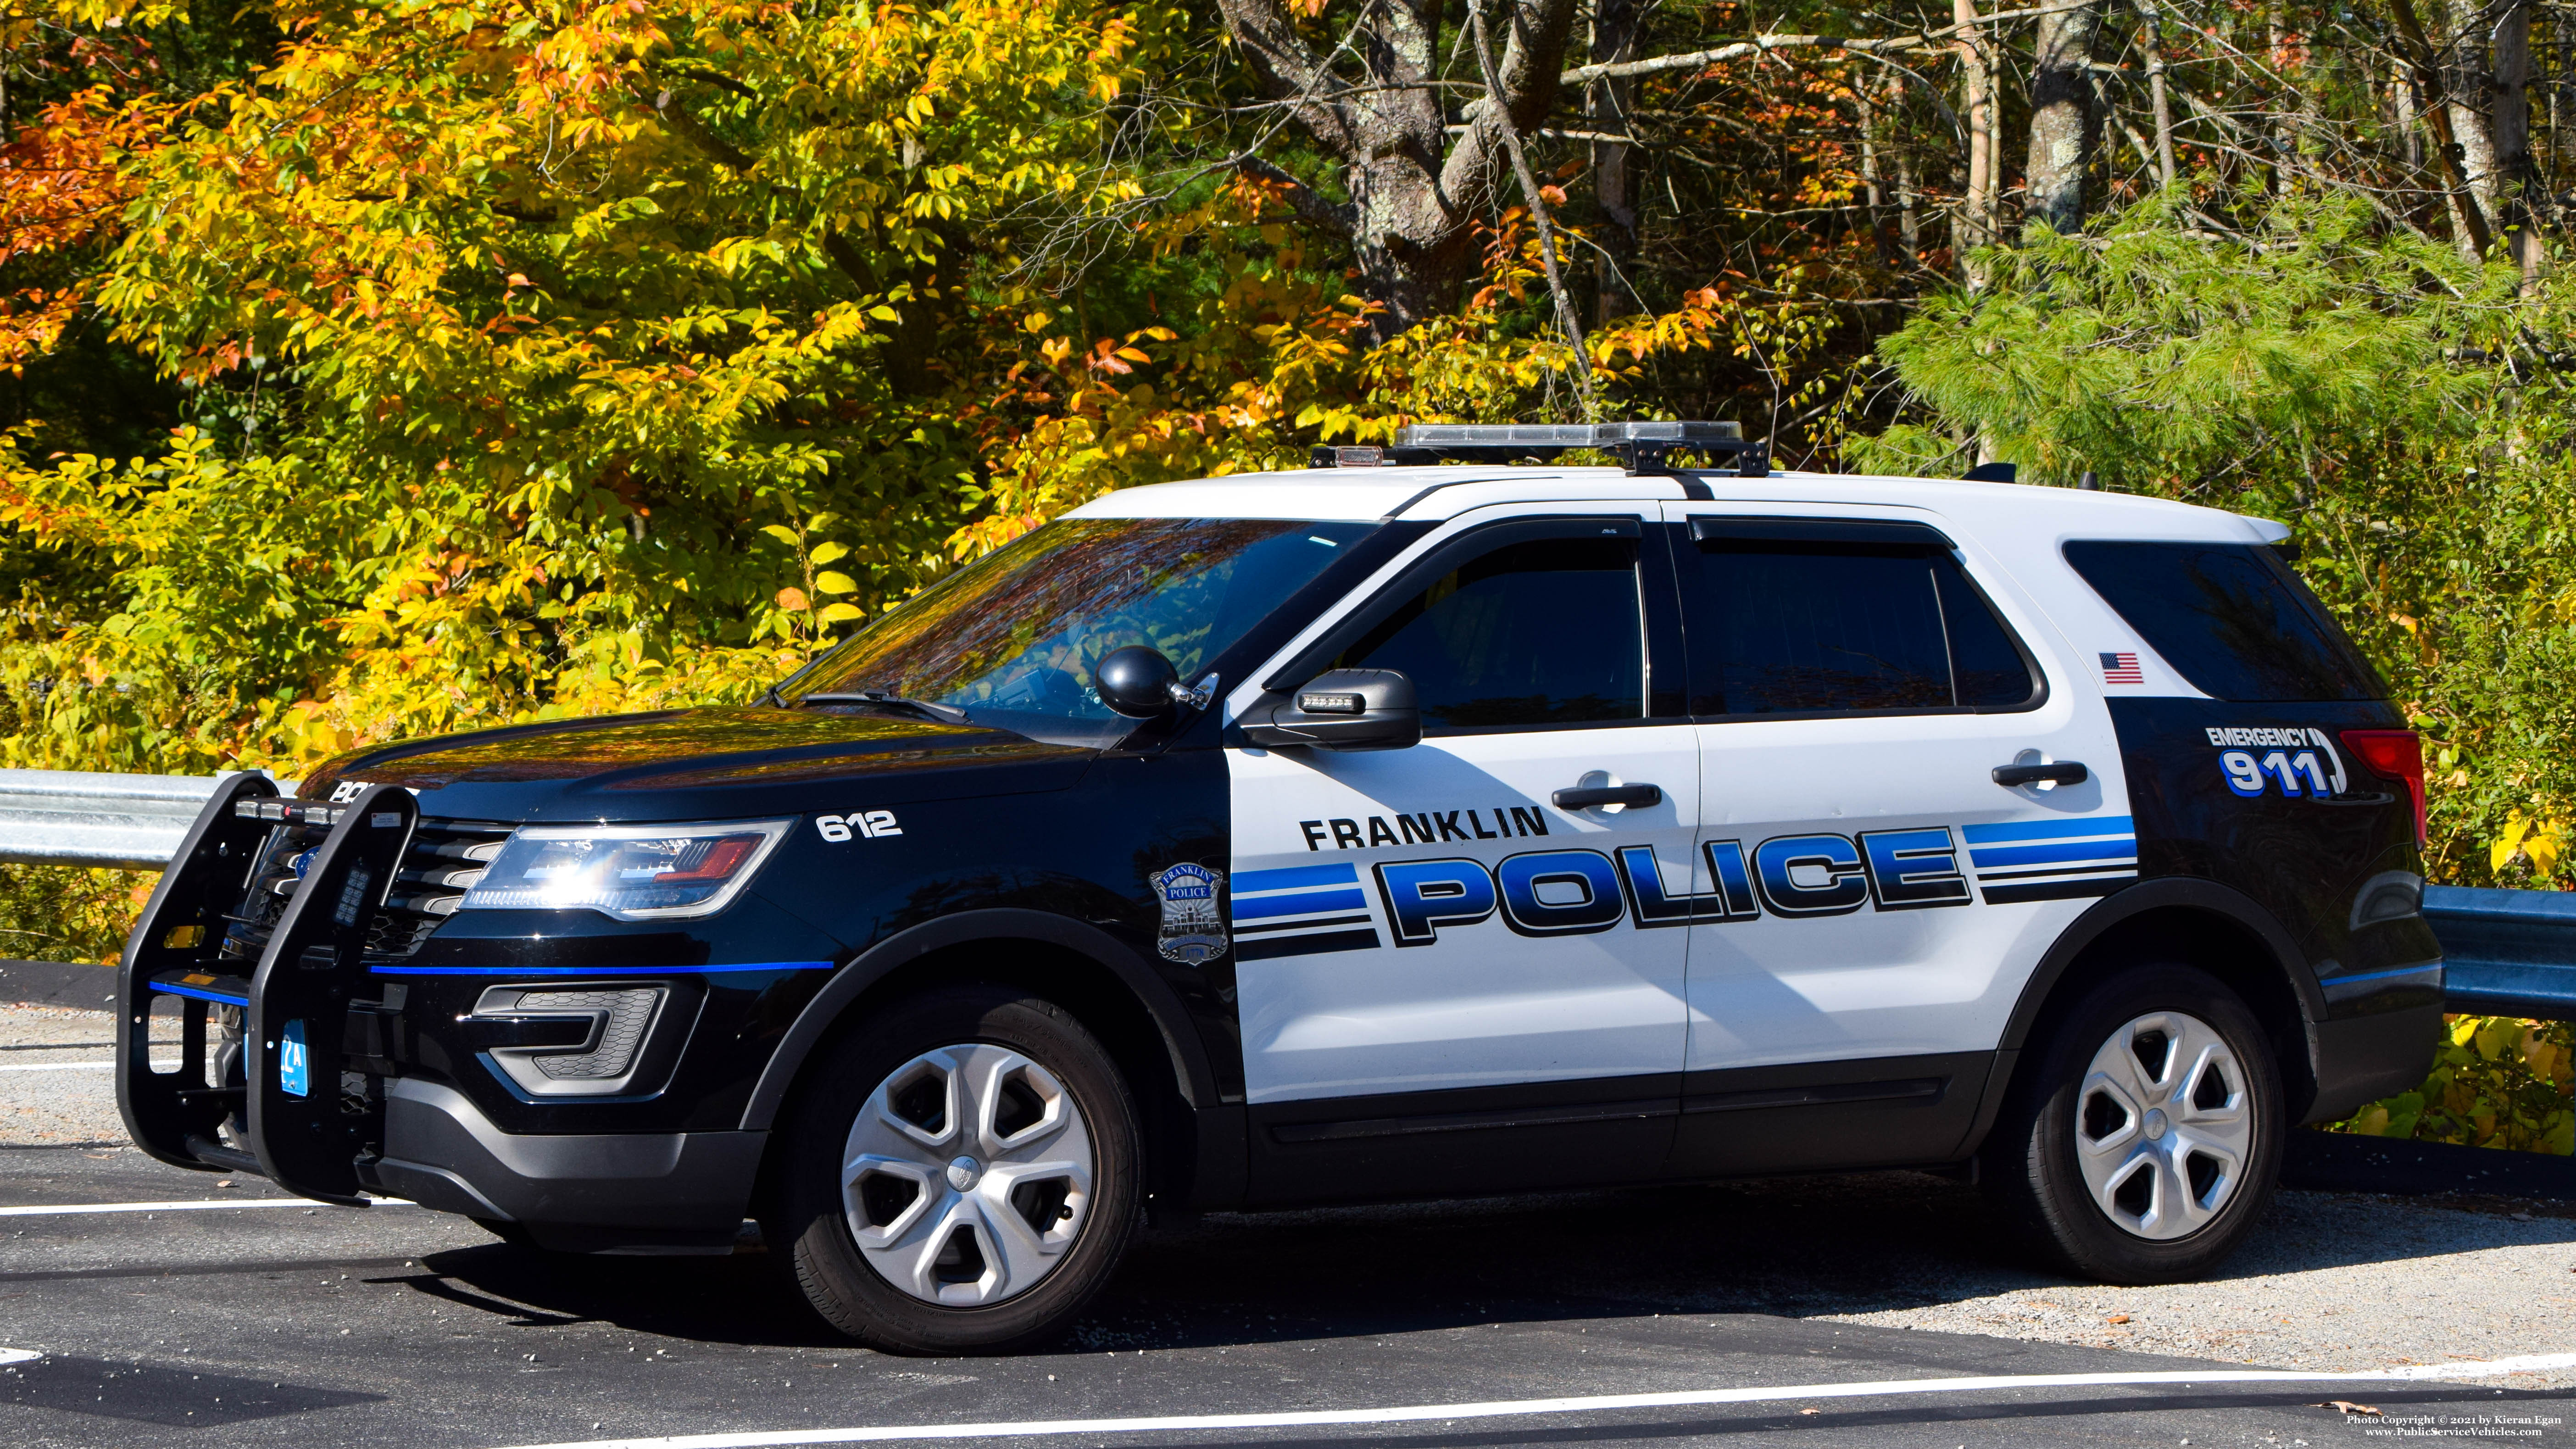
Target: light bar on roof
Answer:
pixel 1452 437
pixel 1643 447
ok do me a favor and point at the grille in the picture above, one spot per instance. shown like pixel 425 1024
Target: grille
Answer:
pixel 446 857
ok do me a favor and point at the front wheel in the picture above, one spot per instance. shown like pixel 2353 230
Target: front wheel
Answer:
pixel 962 1174
pixel 2145 1140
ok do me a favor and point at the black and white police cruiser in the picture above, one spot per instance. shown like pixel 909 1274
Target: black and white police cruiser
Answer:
pixel 1432 821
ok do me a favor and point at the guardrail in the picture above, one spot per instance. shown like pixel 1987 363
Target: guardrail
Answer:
pixel 2506 953
pixel 2509 953
pixel 68 817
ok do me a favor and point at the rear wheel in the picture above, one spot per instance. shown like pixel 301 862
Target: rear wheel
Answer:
pixel 961 1176
pixel 2143 1145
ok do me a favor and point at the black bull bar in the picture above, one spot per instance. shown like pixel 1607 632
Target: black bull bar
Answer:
pixel 302 1131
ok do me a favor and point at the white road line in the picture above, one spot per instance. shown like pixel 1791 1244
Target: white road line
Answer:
pixel 19 1355
pixel 1510 1408
pixel 76 1066
pixel 44 1210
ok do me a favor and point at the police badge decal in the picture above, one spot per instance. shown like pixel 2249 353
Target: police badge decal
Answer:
pixel 1193 933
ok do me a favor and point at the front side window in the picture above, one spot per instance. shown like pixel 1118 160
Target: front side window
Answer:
pixel 1011 640
pixel 1791 627
pixel 1533 634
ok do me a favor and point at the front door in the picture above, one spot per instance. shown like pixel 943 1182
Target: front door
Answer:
pixel 1444 982
pixel 1880 897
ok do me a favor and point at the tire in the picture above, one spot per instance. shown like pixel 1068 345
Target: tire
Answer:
pixel 2144 1142
pixel 993 1182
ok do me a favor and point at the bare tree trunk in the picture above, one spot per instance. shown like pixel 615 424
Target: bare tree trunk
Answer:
pixel 1972 226
pixel 2276 121
pixel 1607 101
pixel 1908 188
pixel 2468 221
pixel 2062 119
pixel 1874 193
pixel 2468 92
pixel 2522 193
pixel 1374 104
pixel 2402 98
pixel 2151 44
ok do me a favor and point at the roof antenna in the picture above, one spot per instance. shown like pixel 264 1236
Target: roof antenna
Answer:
pixel 1992 473
pixel 2088 482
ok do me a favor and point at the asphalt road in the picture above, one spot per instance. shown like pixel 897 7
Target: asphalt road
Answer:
pixel 286 1322
pixel 299 1324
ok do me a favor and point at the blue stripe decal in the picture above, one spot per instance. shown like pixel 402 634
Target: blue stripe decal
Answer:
pixel 1298 905
pixel 2125 848
pixel 2420 968
pixel 2051 830
pixel 730 969
pixel 1295 877
pixel 199 993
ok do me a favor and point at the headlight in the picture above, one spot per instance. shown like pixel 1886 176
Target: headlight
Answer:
pixel 633 872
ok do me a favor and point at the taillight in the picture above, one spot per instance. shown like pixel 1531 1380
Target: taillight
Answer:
pixel 2396 755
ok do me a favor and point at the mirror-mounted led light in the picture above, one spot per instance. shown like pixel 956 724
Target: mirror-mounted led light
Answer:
pixel 632 872
pixel 1332 704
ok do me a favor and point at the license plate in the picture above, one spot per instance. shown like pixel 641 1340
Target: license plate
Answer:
pixel 293 1073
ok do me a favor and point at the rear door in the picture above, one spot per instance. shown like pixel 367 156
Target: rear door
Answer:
pixel 1442 986
pixel 1875 898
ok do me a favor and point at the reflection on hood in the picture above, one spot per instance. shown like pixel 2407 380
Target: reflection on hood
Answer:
pixel 681 749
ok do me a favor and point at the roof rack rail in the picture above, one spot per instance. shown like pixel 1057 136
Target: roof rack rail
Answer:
pixel 1642 447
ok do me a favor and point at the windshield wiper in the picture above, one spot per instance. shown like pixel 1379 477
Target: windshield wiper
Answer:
pixel 883 699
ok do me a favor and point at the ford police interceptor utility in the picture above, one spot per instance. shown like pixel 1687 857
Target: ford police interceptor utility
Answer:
pixel 1450 825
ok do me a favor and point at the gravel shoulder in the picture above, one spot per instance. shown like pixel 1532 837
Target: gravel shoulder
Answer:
pixel 53 1091
pixel 2330 1281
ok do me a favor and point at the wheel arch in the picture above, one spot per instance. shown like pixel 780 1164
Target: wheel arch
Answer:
pixel 964 944
pixel 2199 923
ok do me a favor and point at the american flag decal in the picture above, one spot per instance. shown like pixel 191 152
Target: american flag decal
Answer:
pixel 2121 669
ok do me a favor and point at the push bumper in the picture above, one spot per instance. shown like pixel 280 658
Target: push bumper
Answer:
pixel 656 1192
pixel 310 1103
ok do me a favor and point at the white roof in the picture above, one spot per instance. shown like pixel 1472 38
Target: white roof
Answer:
pixel 1433 493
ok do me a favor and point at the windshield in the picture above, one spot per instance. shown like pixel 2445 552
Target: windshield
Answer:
pixel 1011 639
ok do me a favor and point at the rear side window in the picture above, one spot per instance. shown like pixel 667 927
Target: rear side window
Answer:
pixel 2232 617
pixel 1787 626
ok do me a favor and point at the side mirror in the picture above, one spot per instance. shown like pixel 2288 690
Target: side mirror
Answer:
pixel 1344 709
pixel 1137 681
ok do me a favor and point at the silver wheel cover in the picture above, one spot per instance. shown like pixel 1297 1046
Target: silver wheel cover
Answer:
pixel 2163 1125
pixel 967 1175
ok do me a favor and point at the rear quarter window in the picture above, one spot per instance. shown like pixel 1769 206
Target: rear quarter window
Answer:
pixel 2232 618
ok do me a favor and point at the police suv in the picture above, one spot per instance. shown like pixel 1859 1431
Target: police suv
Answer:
pixel 1435 820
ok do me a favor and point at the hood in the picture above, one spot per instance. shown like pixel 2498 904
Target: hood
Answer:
pixel 702 764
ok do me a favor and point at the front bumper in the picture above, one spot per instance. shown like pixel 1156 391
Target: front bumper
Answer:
pixel 335 1091
pixel 636 1192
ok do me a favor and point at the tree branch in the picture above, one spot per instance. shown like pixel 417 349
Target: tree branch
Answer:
pixel 1502 117
pixel 1765 44
pixel 1305 200
pixel 676 116
pixel 1292 70
pixel 1520 92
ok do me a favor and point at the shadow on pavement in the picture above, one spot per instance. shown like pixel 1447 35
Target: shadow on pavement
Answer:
pixel 1791 1248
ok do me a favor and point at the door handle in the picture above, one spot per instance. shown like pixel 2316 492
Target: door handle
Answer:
pixel 1586 797
pixel 2063 772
